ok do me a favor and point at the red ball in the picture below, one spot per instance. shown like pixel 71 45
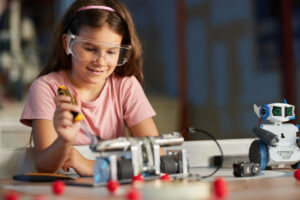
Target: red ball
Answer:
pixel 165 177
pixel 58 187
pixel 138 178
pixel 220 187
pixel 11 195
pixel 133 194
pixel 112 186
pixel 297 174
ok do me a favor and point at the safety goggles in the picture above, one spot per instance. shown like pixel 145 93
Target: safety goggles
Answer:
pixel 87 50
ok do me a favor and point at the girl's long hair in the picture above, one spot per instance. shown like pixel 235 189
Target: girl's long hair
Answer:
pixel 119 21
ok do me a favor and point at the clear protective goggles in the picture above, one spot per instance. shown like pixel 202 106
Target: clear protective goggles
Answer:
pixel 88 50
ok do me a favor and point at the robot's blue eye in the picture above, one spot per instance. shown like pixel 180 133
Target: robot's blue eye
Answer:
pixel 277 111
pixel 264 112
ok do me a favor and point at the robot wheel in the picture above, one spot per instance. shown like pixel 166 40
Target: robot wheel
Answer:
pixel 296 165
pixel 258 153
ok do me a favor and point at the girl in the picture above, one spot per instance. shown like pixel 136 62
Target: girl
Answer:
pixel 97 56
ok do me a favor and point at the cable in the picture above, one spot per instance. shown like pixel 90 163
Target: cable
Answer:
pixel 193 130
pixel 259 122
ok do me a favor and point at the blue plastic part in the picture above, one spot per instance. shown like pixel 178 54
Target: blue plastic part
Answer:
pixel 126 155
pixel 293 117
pixel 296 166
pixel 298 126
pixel 263 155
pixel 284 101
pixel 267 109
pixel 101 170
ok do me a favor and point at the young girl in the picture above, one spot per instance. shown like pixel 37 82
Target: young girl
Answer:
pixel 97 56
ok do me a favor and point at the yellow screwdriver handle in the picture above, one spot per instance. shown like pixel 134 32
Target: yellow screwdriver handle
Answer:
pixel 63 90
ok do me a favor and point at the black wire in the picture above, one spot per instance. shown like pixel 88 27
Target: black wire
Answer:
pixel 193 130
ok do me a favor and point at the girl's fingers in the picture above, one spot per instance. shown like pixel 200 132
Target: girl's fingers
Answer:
pixel 62 103
pixel 63 115
pixel 60 99
pixel 66 169
pixel 66 115
pixel 68 107
pixel 66 122
pixel 65 166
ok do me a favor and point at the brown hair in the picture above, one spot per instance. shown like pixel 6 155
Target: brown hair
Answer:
pixel 120 21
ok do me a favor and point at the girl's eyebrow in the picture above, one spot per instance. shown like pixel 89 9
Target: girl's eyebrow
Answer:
pixel 114 48
pixel 88 43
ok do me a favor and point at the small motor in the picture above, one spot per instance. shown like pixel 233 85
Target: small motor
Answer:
pixel 241 169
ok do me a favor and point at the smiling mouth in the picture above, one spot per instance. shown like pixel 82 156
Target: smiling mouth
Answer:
pixel 95 70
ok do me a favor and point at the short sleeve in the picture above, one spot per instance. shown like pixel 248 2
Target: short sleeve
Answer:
pixel 135 103
pixel 40 102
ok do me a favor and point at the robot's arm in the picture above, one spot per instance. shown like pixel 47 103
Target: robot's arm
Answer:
pixel 267 137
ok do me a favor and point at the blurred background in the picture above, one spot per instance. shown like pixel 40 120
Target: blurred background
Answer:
pixel 206 62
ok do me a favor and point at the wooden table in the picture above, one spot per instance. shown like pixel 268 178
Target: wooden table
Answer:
pixel 282 185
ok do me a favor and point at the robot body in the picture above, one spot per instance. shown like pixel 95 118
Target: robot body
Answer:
pixel 286 150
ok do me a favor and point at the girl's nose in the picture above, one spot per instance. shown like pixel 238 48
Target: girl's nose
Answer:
pixel 100 59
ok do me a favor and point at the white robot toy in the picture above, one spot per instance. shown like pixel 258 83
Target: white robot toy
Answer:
pixel 278 145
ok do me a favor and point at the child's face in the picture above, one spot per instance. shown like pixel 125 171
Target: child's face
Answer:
pixel 98 54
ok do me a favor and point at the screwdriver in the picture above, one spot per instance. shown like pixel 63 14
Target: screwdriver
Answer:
pixel 63 90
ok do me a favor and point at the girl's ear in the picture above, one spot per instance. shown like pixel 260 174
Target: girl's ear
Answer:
pixel 64 42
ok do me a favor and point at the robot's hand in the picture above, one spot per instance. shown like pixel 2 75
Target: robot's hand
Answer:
pixel 267 137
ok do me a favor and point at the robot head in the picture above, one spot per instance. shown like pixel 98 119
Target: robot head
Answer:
pixel 275 112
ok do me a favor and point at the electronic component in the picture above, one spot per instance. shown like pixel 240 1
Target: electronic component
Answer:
pixel 241 169
pixel 125 157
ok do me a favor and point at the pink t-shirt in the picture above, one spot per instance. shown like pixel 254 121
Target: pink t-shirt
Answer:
pixel 121 101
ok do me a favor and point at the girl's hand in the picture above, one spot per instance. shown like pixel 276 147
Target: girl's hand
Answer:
pixel 64 125
pixel 80 164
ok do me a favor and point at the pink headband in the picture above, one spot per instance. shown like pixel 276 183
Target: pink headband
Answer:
pixel 96 7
